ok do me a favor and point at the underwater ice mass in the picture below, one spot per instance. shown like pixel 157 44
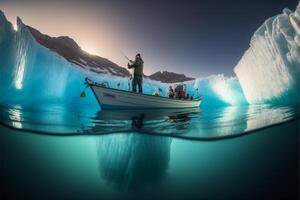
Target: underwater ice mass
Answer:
pixel 268 72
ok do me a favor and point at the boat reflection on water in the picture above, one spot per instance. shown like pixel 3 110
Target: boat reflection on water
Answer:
pixel 133 161
pixel 152 114
pixel 138 121
pixel 154 121
pixel 209 123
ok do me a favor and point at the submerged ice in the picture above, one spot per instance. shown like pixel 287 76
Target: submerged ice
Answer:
pixel 268 72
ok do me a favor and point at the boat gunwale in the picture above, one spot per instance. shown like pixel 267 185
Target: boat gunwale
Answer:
pixel 147 95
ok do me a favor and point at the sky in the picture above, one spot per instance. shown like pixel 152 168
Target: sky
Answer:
pixel 196 38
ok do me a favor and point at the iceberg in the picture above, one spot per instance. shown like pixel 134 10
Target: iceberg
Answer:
pixel 218 90
pixel 269 70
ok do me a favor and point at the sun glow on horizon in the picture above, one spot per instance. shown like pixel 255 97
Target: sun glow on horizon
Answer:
pixel 90 50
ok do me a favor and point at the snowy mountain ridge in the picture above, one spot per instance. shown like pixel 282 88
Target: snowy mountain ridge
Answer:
pixel 169 77
pixel 71 51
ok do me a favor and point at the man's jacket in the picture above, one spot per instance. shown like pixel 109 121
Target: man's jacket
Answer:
pixel 138 66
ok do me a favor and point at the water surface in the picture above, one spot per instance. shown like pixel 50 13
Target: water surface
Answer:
pixel 205 123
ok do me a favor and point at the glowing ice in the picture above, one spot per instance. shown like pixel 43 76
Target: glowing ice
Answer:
pixel 269 70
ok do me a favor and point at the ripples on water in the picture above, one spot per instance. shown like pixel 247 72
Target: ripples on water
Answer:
pixel 197 123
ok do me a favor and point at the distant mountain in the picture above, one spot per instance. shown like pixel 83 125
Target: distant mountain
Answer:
pixel 71 51
pixel 169 77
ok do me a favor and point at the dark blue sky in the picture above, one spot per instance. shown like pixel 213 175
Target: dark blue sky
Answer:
pixel 197 38
pixel 203 36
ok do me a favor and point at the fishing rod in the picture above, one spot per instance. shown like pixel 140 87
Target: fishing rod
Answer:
pixel 83 93
pixel 130 71
pixel 125 56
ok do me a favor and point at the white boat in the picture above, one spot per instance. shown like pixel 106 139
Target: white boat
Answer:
pixel 112 99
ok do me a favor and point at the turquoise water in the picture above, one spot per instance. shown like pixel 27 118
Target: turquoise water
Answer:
pixel 207 123
pixel 60 152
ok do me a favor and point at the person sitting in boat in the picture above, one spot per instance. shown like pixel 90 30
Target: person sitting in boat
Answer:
pixel 181 94
pixel 137 65
pixel 171 92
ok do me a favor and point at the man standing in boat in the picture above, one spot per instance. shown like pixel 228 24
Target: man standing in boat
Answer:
pixel 137 65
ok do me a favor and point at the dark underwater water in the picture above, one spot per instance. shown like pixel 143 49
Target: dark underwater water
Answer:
pixel 55 152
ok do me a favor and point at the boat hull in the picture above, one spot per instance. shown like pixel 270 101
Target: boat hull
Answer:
pixel 113 99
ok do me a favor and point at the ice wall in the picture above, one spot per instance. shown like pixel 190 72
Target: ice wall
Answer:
pixel 217 90
pixel 30 72
pixel 269 70
pixel 7 38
